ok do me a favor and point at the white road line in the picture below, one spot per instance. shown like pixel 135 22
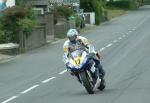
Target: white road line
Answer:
pixel 115 41
pixel 133 29
pixel 130 31
pixel 109 45
pixel 102 49
pixel 127 33
pixel 124 36
pixel 45 81
pixel 31 88
pixel 10 99
pixel 64 71
pixel 120 38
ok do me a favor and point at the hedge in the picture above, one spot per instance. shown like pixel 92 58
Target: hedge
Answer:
pixel 147 2
pixel 14 20
pixel 126 4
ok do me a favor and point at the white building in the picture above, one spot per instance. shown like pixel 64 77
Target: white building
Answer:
pixel 10 3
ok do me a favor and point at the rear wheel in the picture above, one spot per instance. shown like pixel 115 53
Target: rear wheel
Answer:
pixel 86 82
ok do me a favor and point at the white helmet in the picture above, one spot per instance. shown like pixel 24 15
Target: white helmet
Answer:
pixel 72 34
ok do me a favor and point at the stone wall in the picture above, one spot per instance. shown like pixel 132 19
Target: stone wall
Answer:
pixel 40 35
pixel 62 27
pixel 37 39
pixel 47 20
pixel 9 49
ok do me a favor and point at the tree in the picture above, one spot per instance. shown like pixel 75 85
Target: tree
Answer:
pixel 18 2
pixel 96 6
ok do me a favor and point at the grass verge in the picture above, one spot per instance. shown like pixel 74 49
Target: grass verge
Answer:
pixel 114 12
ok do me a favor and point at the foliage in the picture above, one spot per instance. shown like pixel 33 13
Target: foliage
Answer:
pixel 63 11
pixel 119 4
pixel 146 2
pixel 26 25
pixel 134 4
pixel 96 6
pixel 124 4
pixel 2 36
pixel 15 19
pixel 78 21
pixel 18 2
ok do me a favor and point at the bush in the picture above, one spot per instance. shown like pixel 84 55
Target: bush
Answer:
pixel 146 2
pixel 134 4
pixel 26 25
pixel 119 4
pixel 19 2
pixel 78 21
pixel 63 11
pixel 15 19
pixel 2 36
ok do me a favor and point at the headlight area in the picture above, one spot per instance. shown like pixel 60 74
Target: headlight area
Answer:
pixel 78 67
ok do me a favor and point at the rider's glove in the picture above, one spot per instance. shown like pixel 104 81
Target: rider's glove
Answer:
pixel 91 55
pixel 67 65
pixel 68 69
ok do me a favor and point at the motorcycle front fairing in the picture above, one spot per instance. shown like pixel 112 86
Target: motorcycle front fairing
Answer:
pixel 83 67
pixel 79 61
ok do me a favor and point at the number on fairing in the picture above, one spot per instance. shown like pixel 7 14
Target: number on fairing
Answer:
pixel 77 62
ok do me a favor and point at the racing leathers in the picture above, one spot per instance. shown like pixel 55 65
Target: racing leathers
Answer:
pixel 81 43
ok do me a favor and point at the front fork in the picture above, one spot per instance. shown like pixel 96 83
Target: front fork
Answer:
pixel 90 76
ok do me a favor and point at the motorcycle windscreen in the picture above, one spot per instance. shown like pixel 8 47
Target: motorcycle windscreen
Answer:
pixel 78 58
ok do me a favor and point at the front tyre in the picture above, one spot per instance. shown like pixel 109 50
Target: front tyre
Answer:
pixel 86 82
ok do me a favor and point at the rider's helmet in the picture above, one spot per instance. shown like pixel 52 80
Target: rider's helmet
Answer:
pixel 72 35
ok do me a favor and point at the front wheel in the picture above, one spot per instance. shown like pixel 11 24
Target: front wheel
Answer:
pixel 86 82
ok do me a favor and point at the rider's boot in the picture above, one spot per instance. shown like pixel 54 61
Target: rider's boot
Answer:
pixel 101 71
pixel 100 68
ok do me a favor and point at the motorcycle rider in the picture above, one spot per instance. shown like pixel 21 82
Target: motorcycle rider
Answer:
pixel 75 42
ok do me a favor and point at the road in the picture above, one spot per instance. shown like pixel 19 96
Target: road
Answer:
pixel 39 76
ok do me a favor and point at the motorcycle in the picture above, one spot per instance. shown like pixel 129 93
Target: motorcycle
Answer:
pixel 83 67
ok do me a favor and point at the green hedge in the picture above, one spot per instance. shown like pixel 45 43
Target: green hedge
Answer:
pixel 96 6
pixel 63 11
pixel 147 2
pixel 2 36
pixel 14 20
pixel 119 4
pixel 78 21
pixel 126 4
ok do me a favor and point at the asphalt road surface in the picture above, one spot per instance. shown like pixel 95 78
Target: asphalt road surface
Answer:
pixel 40 76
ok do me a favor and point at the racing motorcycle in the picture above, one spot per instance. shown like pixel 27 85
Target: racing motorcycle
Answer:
pixel 83 67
